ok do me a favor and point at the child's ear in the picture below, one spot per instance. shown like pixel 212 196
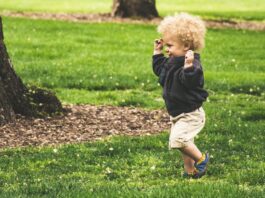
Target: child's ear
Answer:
pixel 187 46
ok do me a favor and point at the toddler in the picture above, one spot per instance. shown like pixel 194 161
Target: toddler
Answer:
pixel 181 76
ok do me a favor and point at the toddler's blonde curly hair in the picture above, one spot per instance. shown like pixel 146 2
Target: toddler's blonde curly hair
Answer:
pixel 185 29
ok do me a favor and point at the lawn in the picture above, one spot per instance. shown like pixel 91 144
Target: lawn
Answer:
pixel 72 58
pixel 224 9
pixel 82 63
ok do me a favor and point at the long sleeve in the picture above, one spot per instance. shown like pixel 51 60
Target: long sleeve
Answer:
pixel 193 76
pixel 158 62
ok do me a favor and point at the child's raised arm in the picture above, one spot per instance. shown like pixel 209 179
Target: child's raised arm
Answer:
pixel 158 57
pixel 191 74
pixel 158 46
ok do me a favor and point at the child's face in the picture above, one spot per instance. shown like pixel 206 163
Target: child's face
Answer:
pixel 174 48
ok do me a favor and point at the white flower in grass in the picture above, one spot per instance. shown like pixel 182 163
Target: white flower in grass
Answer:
pixel 158 99
pixel 108 170
pixel 55 150
pixel 153 167
pixel 111 149
pixel 230 141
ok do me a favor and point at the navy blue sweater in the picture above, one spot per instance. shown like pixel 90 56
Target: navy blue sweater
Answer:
pixel 182 88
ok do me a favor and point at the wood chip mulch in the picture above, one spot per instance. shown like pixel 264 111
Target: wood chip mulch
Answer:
pixel 83 123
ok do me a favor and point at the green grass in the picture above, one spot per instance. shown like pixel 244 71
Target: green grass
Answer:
pixel 225 9
pixel 142 166
pixel 70 6
pixel 111 64
pixel 73 58
pixel 220 9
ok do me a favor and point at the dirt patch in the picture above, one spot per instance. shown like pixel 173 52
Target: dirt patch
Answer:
pixel 83 123
pixel 106 17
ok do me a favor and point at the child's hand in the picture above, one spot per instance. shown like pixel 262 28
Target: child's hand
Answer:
pixel 158 46
pixel 189 57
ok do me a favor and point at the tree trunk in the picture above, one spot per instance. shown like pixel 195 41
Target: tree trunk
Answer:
pixel 134 8
pixel 15 97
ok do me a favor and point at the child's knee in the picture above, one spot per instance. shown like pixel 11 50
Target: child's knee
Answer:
pixel 178 143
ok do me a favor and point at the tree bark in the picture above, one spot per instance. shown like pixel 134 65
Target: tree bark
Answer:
pixel 134 8
pixel 15 97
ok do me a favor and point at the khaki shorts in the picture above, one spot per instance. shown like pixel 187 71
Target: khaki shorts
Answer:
pixel 185 127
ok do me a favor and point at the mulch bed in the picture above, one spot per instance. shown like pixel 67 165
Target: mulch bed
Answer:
pixel 106 17
pixel 83 123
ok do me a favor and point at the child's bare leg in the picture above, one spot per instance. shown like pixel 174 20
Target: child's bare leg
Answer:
pixel 192 151
pixel 188 163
